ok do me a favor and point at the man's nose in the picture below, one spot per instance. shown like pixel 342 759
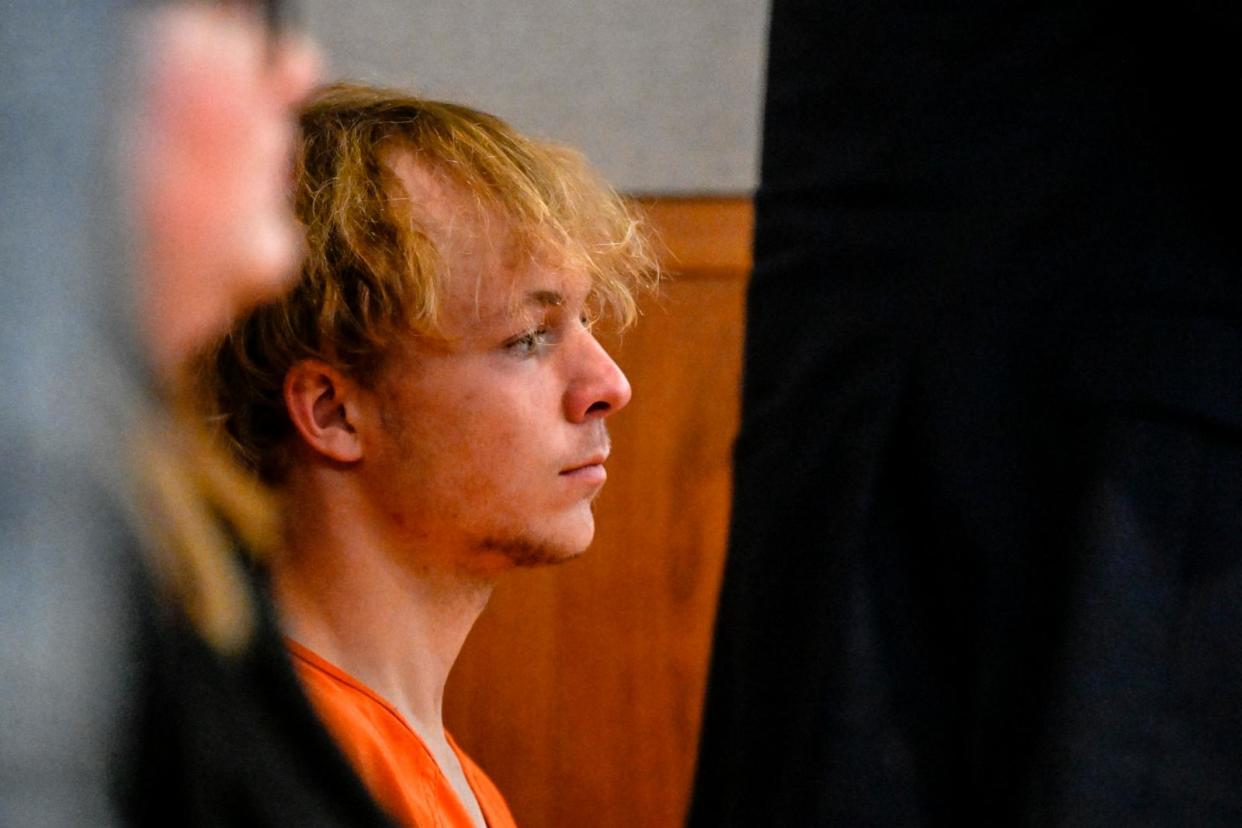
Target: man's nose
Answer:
pixel 597 387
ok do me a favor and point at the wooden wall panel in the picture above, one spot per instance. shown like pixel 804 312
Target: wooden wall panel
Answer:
pixel 580 689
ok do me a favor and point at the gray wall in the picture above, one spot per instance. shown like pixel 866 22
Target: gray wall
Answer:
pixel 664 96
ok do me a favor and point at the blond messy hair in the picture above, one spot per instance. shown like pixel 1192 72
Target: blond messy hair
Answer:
pixel 372 273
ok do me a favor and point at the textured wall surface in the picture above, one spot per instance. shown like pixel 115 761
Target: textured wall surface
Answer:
pixel 664 96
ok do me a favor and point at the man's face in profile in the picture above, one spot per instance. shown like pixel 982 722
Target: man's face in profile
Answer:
pixel 494 437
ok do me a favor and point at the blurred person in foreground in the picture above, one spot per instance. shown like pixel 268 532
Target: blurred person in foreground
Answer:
pixel 225 734
pixel 429 405
pixel 140 681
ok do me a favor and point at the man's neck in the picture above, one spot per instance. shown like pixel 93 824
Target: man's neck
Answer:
pixel 393 618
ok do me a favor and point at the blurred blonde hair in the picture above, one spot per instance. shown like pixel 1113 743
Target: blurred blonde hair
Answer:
pixel 196 507
pixel 372 273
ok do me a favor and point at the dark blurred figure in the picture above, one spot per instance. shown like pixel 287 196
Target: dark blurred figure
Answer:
pixel 145 174
pixel 986 556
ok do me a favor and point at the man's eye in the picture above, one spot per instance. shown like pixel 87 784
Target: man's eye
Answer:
pixel 530 342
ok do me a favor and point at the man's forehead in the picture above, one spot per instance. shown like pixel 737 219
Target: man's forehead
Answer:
pixel 442 208
pixel 487 277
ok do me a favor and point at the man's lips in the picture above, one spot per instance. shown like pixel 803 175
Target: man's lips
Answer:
pixel 589 471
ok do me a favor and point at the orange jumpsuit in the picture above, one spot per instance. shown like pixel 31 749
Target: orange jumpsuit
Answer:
pixel 389 756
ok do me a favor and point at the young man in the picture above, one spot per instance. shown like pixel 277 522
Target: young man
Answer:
pixel 429 404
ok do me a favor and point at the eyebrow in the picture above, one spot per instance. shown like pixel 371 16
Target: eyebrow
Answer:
pixel 539 298
pixel 545 298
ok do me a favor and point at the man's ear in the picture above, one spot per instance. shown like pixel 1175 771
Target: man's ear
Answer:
pixel 323 405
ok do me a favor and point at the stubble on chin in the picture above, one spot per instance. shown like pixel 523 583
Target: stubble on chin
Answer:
pixel 528 552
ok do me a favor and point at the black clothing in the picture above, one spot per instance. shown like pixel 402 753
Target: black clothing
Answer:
pixel 233 740
pixel 986 557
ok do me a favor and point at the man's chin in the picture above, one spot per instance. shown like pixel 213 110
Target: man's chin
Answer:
pixel 527 552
